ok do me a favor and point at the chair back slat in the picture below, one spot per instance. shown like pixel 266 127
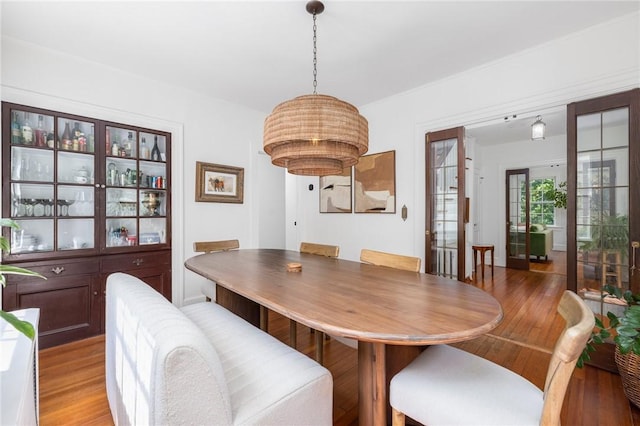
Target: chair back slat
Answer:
pixel 579 324
pixel 211 246
pixel 390 260
pixel 319 249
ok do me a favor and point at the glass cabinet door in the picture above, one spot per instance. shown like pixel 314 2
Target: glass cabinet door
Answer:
pixel 136 187
pixel 52 194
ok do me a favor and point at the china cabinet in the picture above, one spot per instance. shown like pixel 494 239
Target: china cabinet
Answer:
pixel 91 197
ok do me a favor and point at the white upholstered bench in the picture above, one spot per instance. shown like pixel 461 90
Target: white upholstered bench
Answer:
pixel 203 365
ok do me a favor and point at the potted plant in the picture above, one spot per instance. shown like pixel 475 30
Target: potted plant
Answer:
pixel 23 327
pixel 625 330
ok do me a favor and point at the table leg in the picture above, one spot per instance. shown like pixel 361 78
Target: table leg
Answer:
pixel 372 393
pixel 293 333
pixel 492 262
pixel 475 262
pixel 264 319
pixel 482 262
pixel 320 347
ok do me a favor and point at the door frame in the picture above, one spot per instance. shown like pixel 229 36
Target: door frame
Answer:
pixel 457 133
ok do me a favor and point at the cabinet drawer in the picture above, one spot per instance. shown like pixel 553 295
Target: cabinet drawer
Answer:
pixel 57 269
pixel 136 261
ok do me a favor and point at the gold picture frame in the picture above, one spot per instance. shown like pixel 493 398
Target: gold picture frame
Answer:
pixel 216 183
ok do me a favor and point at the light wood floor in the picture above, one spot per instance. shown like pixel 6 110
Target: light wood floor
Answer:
pixel 72 390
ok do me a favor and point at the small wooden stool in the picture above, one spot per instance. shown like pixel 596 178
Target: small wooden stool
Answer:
pixel 482 248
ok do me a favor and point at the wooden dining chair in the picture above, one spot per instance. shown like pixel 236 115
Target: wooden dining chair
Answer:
pixel 321 250
pixel 389 260
pixel 445 385
pixel 208 288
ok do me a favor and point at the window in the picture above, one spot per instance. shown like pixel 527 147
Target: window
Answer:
pixel 542 203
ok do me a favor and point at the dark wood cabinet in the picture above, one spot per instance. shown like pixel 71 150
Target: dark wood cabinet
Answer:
pixel 91 197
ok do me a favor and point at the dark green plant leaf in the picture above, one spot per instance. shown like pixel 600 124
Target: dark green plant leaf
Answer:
pixel 23 327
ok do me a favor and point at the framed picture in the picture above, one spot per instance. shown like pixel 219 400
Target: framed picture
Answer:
pixel 335 192
pixel 216 183
pixel 375 183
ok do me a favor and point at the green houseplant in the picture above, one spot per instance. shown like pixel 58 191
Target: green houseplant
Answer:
pixel 23 327
pixel 625 329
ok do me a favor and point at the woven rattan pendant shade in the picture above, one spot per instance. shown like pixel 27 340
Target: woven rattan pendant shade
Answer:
pixel 315 135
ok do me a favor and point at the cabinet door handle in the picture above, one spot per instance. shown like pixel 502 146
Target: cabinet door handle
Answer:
pixel 57 270
pixel 138 262
pixel 95 293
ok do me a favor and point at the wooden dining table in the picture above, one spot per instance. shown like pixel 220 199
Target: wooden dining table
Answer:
pixel 392 313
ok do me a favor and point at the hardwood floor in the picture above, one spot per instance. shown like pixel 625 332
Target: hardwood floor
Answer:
pixel 72 376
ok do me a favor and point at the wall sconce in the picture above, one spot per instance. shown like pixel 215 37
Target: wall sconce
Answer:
pixel 537 129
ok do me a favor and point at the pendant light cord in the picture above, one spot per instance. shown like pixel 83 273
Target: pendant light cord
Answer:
pixel 315 59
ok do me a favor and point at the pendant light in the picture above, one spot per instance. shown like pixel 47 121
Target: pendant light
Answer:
pixel 315 135
pixel 537 129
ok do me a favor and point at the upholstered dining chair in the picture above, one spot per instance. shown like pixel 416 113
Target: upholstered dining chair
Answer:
pixel 321 250
pixel 389 260
pixel 445 385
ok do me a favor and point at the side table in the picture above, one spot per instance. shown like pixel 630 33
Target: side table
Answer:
pixel 482 248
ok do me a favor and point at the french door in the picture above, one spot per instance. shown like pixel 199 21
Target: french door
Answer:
pixel 603 152
pixel 445 198
pixel 603 210
pixel 517 202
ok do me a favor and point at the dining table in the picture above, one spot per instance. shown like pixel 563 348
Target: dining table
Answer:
pixel 393 314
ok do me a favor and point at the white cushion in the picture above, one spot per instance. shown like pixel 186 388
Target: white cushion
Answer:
pixel 447 386
pixel 269 382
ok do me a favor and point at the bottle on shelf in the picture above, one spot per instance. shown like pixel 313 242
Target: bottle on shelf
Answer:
pixel 144 150
pixel 66 137
pixel 27 131
pixel 75 137
pixel 91 143
pixel 155 152
pixel 108 141
pixel 16 130
pixel 115 148
pixel 41 133
pixel 128 145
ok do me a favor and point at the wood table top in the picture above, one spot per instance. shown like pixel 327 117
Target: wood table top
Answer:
pixel 352 299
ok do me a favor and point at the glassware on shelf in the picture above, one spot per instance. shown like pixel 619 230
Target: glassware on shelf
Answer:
pixel 63 207
pixel 151 203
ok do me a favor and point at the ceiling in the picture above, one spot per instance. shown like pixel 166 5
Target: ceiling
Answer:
pixel 259 53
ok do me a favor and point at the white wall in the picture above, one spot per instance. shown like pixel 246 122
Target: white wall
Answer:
pixel 203 129
pixel 603 59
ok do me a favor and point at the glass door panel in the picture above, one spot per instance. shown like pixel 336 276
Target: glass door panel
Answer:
pixel 445 187
pixel 75 234
pixel 32 236
pixel 518 218
pixel 30 164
